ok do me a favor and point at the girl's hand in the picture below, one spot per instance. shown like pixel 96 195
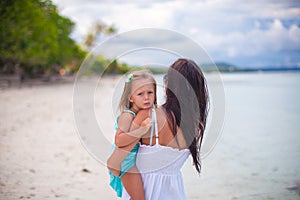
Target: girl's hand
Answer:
pixel 145 126
pixel 146 123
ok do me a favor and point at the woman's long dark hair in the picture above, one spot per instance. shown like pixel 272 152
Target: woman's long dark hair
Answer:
pixel 187 104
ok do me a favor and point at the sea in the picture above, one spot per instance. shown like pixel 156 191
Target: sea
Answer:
pixel 257 152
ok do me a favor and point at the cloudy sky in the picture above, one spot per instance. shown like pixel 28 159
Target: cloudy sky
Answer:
pixel 248 34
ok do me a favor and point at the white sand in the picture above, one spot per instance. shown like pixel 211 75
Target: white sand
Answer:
pixel 41 154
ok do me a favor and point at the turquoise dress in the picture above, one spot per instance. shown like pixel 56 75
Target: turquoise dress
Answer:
pixel 127 163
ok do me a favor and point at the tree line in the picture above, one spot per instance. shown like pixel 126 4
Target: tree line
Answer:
pixel 34 38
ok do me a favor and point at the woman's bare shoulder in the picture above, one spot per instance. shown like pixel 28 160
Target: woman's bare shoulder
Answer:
pixel 161 114
pixel 160 110
pixel 161 117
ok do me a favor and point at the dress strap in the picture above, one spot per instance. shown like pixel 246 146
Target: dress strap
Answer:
pixel 154 128
pixel 129 111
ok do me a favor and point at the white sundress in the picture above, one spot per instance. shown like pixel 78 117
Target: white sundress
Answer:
pixel 160 170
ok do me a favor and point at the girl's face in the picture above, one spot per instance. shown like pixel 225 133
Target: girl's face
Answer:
pixel 143 97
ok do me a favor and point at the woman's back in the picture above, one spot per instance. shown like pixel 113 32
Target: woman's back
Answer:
pixel 160 163
pixel 166 137
pixel 164 150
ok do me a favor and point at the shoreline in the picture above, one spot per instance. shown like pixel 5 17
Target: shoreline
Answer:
pixel 14 81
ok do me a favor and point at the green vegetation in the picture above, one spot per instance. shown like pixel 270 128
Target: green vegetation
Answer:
pixel 96 30
pixel 154 70
pixel 101 65
pixel 220 66
pixel 34 38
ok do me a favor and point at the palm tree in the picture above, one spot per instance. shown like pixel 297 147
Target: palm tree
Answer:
pixel 97 29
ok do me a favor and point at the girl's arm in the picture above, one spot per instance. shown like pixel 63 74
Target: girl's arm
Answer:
pixel 124 136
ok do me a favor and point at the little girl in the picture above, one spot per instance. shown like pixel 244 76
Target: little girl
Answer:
pixel 139 93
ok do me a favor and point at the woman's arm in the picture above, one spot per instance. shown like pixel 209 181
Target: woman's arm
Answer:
pixel 130 131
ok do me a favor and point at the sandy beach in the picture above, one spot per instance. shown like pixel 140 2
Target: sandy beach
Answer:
pixel 41 155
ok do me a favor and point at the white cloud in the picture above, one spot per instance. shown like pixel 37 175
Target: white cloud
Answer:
pixel 226 28
pixel 276 38
pixel 125 16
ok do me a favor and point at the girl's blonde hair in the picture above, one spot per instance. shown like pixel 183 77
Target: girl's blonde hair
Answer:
pixel 133 77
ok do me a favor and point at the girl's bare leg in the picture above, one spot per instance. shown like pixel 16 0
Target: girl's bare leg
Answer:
pixel 119 154
pixel 116 158
pixel 133 183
